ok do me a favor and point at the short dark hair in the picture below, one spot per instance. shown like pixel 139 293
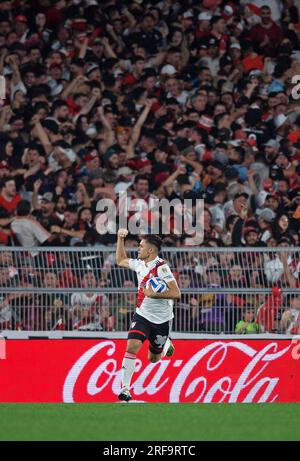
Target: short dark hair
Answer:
pixel 135 59
pixel 83 209
pixel 183 179
pixel 153 240
pixel 140 177
pixel 7 179
pixel 215 19
pixel 23 208
pixel 71 208
pixel 58 104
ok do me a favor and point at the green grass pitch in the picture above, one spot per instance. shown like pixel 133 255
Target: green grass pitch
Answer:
pixel 149 422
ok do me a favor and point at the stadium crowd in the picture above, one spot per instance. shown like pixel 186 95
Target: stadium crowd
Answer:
pixel 167 99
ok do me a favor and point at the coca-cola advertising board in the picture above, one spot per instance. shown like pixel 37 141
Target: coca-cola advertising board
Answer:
pixel 201 371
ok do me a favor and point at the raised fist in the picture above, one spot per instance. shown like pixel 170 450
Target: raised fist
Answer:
pixel 122 233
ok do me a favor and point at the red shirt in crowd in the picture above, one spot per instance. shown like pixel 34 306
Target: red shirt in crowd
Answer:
pixel 258 34
pixel 10 206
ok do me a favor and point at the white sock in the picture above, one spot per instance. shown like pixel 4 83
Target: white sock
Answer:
pixel 128 366
pixel 166 347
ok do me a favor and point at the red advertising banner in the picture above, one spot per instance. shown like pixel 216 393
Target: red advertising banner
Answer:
pixel 200 371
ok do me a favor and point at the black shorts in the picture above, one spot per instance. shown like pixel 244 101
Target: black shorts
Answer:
pixel 156 333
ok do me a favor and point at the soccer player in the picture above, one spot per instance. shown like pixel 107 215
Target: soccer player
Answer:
pixel 154 311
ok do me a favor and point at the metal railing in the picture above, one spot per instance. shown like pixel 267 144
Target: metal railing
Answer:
pixel 224 290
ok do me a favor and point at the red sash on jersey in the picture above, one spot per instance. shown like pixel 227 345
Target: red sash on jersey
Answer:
pixel 152 272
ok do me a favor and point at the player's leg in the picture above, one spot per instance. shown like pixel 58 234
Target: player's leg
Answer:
pixel 160 343
pixel 154 357
pixel 128 366
pixel 168 350
pixel 136 336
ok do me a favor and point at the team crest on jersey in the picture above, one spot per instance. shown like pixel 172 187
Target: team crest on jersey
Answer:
pixel 164 269
pixel 160 340
pixel 133 324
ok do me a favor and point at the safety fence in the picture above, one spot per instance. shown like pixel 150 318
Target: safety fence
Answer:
pixel 224 290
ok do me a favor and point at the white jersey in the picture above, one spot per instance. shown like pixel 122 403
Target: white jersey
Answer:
pixel 154 310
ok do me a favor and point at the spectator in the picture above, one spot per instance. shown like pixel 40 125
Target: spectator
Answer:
pixel 5 314
pixel 251 236
pixel 281 227
pixel 236 277
pixel 89 310
pixel 283 267
pixel 266 35
pixel 44 211
pixel 248 324
pixel 265 219
pixel 9 198
pixel 70 227
pixel 183 308
pixel 267 313
pixel 52 309
pixel 212 306
pixel 127 306
pixel 22 307
pixel 27 230
pixel 290 320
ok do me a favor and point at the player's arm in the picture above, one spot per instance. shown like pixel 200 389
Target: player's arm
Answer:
pixel 173 292
pixel 121 257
